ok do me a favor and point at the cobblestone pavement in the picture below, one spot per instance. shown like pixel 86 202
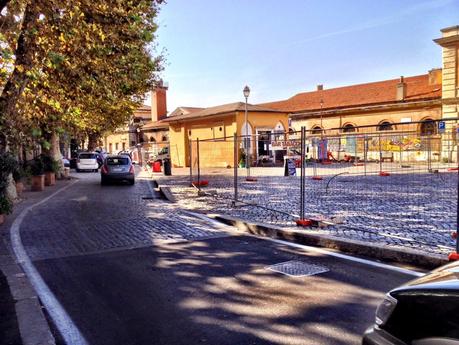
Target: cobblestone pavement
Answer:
pixel 89 218
pixel 415 209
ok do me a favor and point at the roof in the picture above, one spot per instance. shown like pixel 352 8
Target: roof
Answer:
pixel 381 92
pixel 221 109
pixel 154 125
pixel 184 111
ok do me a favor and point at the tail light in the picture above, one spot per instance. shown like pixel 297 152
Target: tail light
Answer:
pixel 131 170
pixel 104 169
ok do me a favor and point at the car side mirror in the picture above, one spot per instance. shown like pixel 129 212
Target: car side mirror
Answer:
pixel 133 163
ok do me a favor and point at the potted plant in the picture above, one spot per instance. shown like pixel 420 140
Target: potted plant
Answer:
pixel 18 175
pixel 6 207
pixel 38 177
pixel 51 167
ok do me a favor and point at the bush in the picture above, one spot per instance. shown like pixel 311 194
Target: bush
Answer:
pixel 20 172
pixel 36 166
pixel 49 164
pixel 6 206
pixel 8 164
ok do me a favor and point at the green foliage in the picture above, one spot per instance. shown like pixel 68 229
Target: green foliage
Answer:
pixel 36 166
pixel 85 65
pixel 8 164
pixel 49 164
pixel 6 206
pixel 20 173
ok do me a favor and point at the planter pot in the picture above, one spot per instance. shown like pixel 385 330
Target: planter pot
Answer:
pixel 38 183
pixel 50 178
pixel 2 218
pixel 19 188
pixel 66 173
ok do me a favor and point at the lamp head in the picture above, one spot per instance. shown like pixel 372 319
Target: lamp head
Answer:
pixel 246 91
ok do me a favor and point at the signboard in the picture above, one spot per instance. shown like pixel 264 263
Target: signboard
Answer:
pixel 441 126
pixel 284 144
pixel 290 167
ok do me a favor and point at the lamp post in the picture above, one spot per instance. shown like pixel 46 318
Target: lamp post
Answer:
pixel 246 92
pixel 138 146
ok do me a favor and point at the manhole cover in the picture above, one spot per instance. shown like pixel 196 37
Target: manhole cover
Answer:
pixel 297 268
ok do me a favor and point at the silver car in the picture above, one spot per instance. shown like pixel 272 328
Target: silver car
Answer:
pixel 117 168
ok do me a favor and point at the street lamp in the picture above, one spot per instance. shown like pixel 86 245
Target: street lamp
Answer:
pixel 321 106
pixel 139 154
pixel 246 92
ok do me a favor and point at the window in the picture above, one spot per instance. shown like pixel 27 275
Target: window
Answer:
pixel 110 147
pixel 132 143
pixel 124 146
pixel 165 138
pixel 316 130
pixel 117 161
pixel 152 140
pixel 349 128
pixel 116 146
pixel 385 126
pixel 428 127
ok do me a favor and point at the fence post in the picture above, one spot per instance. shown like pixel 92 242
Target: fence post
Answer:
pixel 429 157
pixel 380 154
pixel 235 167
pixel 303 177
pixel 199 166
pixel 191 162
pixel 365 143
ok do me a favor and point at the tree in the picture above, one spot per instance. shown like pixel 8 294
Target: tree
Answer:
pixel 79 65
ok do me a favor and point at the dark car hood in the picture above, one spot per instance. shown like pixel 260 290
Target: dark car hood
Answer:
pixel 443 278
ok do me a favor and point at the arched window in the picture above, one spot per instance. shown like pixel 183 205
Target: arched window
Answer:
pixel 385 126
pixel 165 137
pixel 152 140
pixel 316 130
pixel 349 128
pixel 428 127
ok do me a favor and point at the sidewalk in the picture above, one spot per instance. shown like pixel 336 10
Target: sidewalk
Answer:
pixel 23 320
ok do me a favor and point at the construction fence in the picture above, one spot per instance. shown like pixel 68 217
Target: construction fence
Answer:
pixel 397 182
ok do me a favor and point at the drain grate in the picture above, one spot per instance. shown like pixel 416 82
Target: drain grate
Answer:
pixel 296 268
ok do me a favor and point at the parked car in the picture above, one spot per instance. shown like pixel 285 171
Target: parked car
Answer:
pixel 117 168
pixel 65 162
pixel 125 153
pixel 424 311
pixel 87 161
pixel 160 156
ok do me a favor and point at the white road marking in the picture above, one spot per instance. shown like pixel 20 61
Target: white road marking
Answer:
pixel 61 319
pixel 318 250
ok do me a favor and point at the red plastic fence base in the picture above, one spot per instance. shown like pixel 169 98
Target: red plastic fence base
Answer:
pixel 326 162
pixel 251 179
pixel 384 173
pixel 454 235
pixel 453 256
pixel 317 178
pixel 202 183
pixel 304 222
pixel 453 169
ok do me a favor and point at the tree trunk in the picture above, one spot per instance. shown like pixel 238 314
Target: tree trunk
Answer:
pixel 93 139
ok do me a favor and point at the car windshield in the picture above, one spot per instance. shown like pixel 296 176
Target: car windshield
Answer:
pixel 87 156
pixel 117 161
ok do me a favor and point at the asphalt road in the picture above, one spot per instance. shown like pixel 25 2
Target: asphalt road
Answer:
pixel 129 270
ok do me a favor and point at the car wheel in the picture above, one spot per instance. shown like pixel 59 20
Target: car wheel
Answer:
pixel 131 182
pixel 103 181
pixel 78 170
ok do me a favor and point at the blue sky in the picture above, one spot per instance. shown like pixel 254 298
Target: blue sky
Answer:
pixel 280 48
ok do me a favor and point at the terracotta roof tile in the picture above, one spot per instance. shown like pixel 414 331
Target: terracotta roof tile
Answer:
pixel 380 92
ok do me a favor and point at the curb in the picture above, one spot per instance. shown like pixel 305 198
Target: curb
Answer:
pixel 406 256
pixel 34 327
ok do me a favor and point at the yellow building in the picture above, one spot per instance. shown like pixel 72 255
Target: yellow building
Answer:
pixel 219 124
pixel 430 96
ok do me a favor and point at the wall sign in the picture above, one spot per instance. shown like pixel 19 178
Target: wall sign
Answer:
pixel 290 167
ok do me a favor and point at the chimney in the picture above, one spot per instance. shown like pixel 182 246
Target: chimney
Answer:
pixel 401 90
pixel 320 87
pixel 158 102
pixel 435 76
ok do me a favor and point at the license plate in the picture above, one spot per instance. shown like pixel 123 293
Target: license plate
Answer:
pixel 117 169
